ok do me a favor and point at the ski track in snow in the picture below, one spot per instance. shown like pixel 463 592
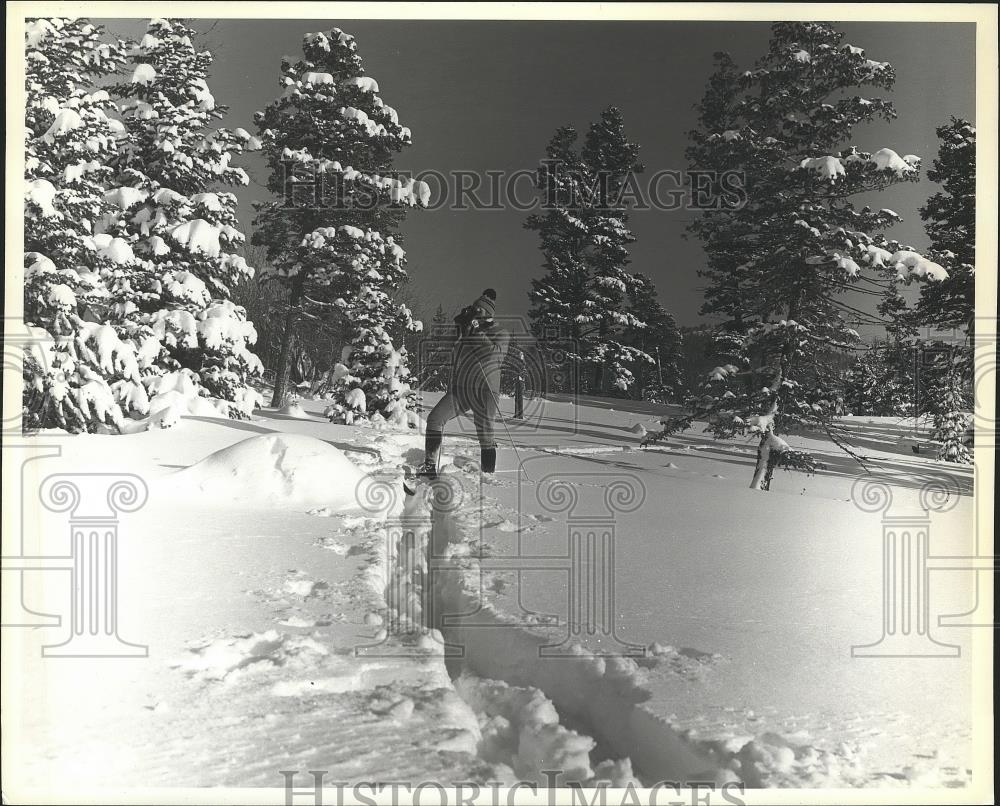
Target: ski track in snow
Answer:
pixel 506 682
pixel 520 730
pixel 518 695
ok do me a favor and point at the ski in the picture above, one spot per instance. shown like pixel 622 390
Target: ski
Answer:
pixel 412 476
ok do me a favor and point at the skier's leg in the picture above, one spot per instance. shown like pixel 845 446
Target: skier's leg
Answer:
pixel 488 459
pixel 432 452
pixel 484 414
pixel 447 408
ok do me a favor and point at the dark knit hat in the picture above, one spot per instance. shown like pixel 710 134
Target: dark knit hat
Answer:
pixel 487 302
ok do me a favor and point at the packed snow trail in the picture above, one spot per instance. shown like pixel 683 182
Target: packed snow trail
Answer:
pixel 520 735
pixel 603 694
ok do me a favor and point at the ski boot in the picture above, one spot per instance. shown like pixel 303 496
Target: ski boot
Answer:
pixel 428 471
pixel 432 456
pixel 413 476
pixel 488 459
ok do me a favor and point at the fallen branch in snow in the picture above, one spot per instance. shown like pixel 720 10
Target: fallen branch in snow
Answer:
pixel 842 443
pixel 670 427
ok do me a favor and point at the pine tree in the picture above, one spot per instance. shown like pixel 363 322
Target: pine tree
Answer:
pixel 560 301
pixel 584 240
pixel 85 371
pixel 950 406
pixel 658 378
pixel 779 264
pixel 435 357
pixel 950 217
pixel 332 238
pixel 874 386
pixel 170 207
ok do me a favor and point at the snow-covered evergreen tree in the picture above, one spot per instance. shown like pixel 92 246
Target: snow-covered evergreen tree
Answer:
pixel 85 371
pixel 874 386
pixel 332 234
pixel 950 217
pixel 658 378
pixel 950 406
pixel 435 358
pixel 170 208
pixel 584 241
pixel 779 264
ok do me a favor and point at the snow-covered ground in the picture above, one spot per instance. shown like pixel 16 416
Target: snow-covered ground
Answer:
pixel 265 592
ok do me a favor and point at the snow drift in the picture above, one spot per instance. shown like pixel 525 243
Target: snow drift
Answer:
pixel 276 470
pixel 294 409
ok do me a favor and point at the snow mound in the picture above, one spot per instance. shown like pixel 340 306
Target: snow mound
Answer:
pixel 167 408
pixel 397 416
pixel 294 409
pixel 276 470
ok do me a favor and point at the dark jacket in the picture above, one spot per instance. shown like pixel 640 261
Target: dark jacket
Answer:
pixel 476 361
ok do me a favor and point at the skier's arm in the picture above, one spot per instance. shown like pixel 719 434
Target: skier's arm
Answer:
pixel 463 322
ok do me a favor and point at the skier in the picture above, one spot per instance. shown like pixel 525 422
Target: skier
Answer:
pixel 475 383
pixel 518 384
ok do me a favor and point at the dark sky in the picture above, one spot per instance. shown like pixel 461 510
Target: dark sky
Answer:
pixel 487 95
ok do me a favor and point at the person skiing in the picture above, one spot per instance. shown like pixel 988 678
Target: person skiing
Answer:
pixel 518 356
pixel 474 386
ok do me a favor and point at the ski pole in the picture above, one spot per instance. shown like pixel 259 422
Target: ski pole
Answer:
pixel 503 420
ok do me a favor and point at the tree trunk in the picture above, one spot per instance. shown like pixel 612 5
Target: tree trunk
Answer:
pixel 284 367
pixel 576 364
pixel 760 475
